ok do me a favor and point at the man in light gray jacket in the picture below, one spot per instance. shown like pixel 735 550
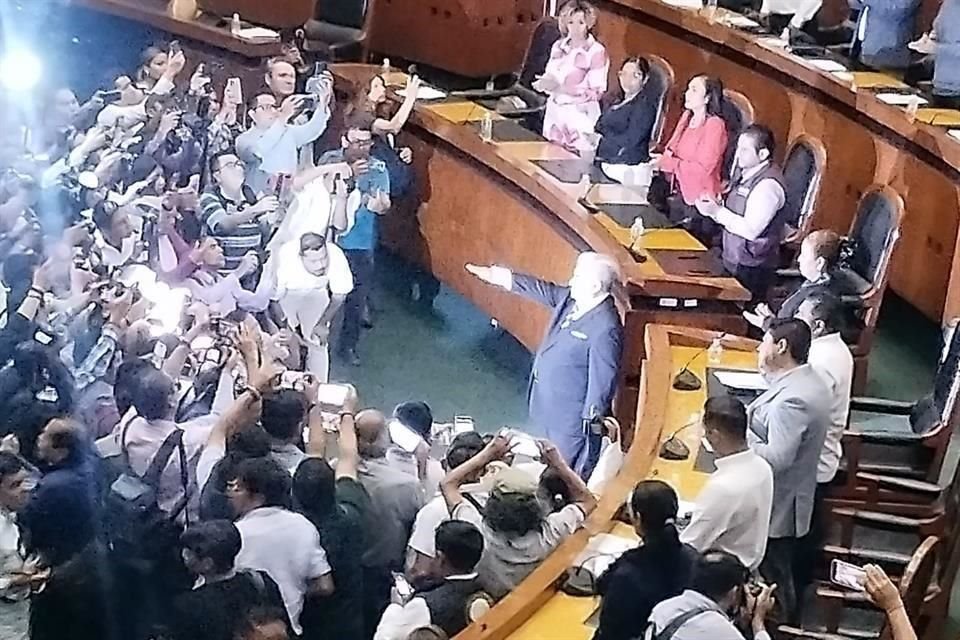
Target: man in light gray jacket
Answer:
pixel 787 427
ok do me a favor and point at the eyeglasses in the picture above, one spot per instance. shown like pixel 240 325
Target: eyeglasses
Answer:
pixel 231 165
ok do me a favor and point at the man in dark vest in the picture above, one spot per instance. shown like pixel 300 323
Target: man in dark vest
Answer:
pixel 751 215
pixel 454 587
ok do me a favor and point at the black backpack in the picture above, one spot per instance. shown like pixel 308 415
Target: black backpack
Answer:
pixel 136 527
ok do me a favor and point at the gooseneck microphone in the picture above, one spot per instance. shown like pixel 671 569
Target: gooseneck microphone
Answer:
pixel 673 448
pixel 686 380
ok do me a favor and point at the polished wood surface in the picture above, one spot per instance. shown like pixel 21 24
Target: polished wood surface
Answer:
pixel 204 30
pixel 474 38
pixel 867 141
pixel 536 610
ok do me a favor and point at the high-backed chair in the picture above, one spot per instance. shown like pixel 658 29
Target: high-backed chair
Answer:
pixel 279 14
pixel 906 440
pixel 738 114
pixel 339 30
pixel 803 168
pixel 661 72
pixel 875 231
pixel 836 614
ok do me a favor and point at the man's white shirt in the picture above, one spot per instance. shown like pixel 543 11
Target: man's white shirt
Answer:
pixel 830 357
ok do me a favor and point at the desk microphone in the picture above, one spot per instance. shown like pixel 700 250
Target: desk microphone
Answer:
pixel 673 448
pixel 687 380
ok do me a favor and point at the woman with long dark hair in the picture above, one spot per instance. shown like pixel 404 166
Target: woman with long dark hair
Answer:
pixel 641 578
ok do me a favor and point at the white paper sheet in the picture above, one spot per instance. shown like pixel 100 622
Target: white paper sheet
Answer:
pixel 685 4
pixel 751 380
pixel 739 21
pixel 830 66
pixel 424 93
pixel 258 33
pixel 899 99
pixel 955 134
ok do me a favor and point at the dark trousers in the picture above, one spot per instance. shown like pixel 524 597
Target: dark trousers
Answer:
pixel 361 264
pixel 756 280
pixel 808 547
pixel 377 582
pixel 777 568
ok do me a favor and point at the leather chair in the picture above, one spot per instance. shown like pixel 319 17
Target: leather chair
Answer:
pixel 803 168
pixel 738 113
pixel 279 14
pixel 875 231
pixel 662 73
pixel 902 440
pixel 507 102
pixel 836 614
pixel 339 30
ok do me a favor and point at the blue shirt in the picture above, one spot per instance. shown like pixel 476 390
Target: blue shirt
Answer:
pixel 362 236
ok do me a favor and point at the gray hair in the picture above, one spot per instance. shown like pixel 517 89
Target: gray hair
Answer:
pixel 607 269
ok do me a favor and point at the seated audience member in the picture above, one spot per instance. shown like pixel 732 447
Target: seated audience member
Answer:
pixel 210 609
pixel 575 79
pixel 276 540
pixel 359 241
pixel 787 426
pixel 732 511
pixel 264 624
pixel 715 604
pixel 445 603
pixel 338 505
pixel 395 499
pixel 232 212
pixel 693 158
pixel 517 536
pixel 223 294
pixel 271 146
pixel 420 549
pixel 312 287
pixel 750 215
pixel 62 516
pixel 792 16
pixel 941 50
pixel 818 258
pixel 284 415
pixel 885 30
pixel 660 568
pixel 115 237
pixel 627 119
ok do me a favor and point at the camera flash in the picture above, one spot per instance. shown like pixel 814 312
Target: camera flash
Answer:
pixel 20 70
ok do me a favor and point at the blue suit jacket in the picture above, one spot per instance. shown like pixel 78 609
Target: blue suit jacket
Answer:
pixel 575 369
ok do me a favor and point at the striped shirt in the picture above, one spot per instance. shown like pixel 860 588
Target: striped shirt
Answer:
pixel 215 208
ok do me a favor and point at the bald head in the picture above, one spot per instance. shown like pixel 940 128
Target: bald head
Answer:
pixel 371 428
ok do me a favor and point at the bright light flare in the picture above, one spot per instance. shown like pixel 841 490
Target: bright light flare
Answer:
pixel 20 70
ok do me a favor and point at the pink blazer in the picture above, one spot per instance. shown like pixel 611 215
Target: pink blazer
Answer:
pixel 697 157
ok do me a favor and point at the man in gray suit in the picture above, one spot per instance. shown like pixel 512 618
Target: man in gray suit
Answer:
pixel 788 424
pixel 575 369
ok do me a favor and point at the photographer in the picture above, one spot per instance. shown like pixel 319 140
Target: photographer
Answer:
pixel 716 602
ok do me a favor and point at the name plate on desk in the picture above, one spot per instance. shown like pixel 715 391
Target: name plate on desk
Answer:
pixel 694 264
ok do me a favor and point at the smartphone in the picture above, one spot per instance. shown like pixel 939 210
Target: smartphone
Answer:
pixel 847 575
pixel 404 437
pixel 289 379
pixel 463 424
pixel 175 47
pixel 111 96
pixel 42 338
pixel 332 395
pixel 524 445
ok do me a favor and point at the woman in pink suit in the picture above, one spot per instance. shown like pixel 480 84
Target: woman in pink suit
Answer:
pixel 575 79
pixel 693 158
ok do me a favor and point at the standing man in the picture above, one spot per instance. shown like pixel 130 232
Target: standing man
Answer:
pixel 313 280
pixel 788 423
pixel 575 369
pixel 359 241
pixel 751 214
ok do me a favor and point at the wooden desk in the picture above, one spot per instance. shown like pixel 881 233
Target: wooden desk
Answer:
pixel 202 30
pixel 867 141
pixel 487 203
pixel 536 610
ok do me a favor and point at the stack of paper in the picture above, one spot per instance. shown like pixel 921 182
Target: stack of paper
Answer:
pixel 955 134
pixel 831 66
pixel 747 380
pixel 685 4
pixel 736 20
pixel 258 33
pixel 424 93
pixel 901 99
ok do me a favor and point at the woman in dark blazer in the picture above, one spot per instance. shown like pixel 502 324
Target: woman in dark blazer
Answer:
pixel 628 115
pixel 643 577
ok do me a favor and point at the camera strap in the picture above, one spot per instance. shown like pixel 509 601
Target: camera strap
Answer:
pixel 671 629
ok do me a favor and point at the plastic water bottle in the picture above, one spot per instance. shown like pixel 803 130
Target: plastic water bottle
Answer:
pixel 486 127
pixel 715 352
pixel 235 24
pixel 491 85
pixel 385 67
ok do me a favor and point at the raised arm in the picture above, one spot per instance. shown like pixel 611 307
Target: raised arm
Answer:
pixel 578 489
pixel 395 124
pixel 450 485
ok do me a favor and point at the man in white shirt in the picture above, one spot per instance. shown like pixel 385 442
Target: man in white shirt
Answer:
pixel 750 214
pixel 276 540
pixel 313 281
pixel 732 512
pixel 445 603
pixel 117 235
